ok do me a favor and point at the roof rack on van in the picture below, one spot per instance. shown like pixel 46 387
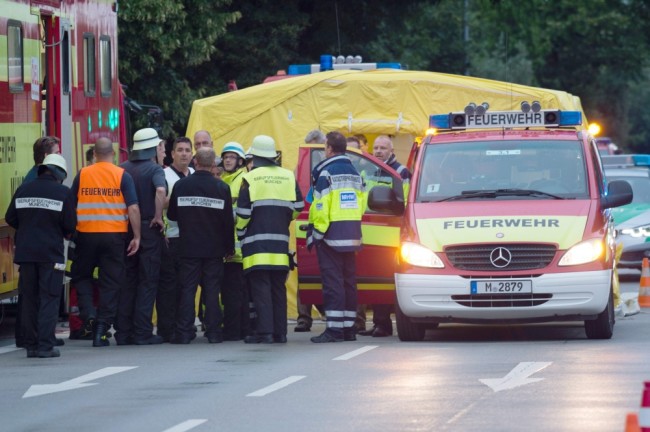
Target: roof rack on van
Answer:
pixel 531 115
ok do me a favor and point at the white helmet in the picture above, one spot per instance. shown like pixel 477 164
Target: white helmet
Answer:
pixel 263 146
pixel 145 142
pixel 55 162
pixel 233 147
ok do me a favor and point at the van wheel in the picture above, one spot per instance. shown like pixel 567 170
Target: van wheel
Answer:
pixel 407 330
pixel 603 326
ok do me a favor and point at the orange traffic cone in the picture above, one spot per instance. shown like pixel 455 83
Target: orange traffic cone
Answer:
pixel 644 411
pixel 644 284
pixel 632 423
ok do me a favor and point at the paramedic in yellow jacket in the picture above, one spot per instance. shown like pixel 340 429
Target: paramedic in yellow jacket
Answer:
pixel 335 231
pixel 269 199
pixel 234 294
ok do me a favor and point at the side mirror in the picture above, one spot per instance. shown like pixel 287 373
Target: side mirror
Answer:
pixel 619 193
pixel 383 199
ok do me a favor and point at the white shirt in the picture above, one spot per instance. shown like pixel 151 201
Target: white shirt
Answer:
pixel 172 177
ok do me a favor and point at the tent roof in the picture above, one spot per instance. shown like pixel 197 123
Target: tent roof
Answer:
pixel 382 101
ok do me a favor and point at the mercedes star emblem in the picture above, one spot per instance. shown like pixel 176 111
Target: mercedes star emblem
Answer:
pixel 500 257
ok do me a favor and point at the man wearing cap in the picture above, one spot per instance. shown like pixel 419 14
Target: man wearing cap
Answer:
pixel 43 215
pixel 202 207
pixel 268 201
pixel 169 283
pixel 107 204
pixel 234 294
pixel 137 297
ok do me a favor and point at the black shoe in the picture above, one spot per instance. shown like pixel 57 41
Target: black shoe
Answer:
pixel 381 332
pixel 59 342
pixel 48 354
pixel 179 341
pixel 367 332
pixel 20 344
pixel 326 337
pixel 217 338
pixel 124 341
pixel 349 335
pixel 280 338
pixel 85 332
pixel 255 339
pixel 151 340
pixel 32 353
pixel 302 327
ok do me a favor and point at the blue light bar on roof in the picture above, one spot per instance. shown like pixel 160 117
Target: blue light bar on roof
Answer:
pixel 439 121
pixel 389 66
pixel 301 69
pixel 641 159
pixel 570 118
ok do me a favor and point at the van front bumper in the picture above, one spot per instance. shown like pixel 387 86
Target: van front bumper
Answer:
pixel 554 297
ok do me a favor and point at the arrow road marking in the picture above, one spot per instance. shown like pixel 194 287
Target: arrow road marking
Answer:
pixel 516 377
pixel 75 383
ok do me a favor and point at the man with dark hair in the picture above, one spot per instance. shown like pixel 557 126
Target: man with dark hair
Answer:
pixel 169 283
pixel 137 297
pixel 202 207
pixel 335 231
pixel 42 147
pixel 43 215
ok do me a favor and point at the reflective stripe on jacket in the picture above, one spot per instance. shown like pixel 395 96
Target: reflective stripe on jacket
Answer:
pixel 268 201
pixel 100 203
pixel 338 206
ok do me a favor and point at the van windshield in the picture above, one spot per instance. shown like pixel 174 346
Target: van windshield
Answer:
pixel 503 170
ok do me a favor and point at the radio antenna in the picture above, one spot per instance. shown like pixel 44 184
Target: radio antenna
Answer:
pixel 338 33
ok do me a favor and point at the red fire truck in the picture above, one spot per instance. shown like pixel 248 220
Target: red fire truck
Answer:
pixel 58 76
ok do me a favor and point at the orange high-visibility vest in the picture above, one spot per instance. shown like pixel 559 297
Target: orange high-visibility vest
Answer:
pixel 100 203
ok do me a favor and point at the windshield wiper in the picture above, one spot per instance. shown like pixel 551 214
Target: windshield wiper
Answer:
pixel 493 193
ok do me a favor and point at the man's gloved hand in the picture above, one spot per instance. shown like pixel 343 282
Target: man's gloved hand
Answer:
pixel 292 260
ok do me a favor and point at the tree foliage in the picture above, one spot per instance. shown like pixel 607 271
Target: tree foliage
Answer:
pixel 174 51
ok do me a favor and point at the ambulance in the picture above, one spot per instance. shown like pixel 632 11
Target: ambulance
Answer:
pixel 508 220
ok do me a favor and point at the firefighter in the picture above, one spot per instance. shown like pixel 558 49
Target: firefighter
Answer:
pixel 43 214
pixel 137 297
pixel 107 204
pixel 202 207
pixel 268 201
pixel 234 294
pixel 335 231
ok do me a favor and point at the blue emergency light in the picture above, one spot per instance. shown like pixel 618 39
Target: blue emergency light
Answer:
pixel 329 62
pixel 641 159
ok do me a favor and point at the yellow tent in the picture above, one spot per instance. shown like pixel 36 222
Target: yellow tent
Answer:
pixel 383 101
pixel 372 102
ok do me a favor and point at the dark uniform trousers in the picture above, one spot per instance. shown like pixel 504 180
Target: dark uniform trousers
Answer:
pixel 339 284
pixel 208 272
pixel 270 298
pixel 169 288
pixel 234 296
pixel 138 295
pixel 41 285
pixel 106 251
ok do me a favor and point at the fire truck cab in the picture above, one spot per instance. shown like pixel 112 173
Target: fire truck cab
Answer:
pixel 507 220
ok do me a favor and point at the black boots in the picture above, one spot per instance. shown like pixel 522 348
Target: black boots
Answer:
pixel 99 334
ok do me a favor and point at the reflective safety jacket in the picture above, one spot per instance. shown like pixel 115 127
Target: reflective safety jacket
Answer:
pixel 234 180
pixel 101 207
pixel 339 203
pixel 268 201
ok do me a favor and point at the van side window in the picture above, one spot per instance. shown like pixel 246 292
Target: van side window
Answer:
pixel 598 168
pixel 371 173
pixel 15 63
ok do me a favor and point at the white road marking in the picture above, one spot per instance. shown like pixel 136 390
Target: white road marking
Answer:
pixel 516 377
pixel 355 353
pixel 186 425
pixel 8 349
pixel 75 383
pixel 277 386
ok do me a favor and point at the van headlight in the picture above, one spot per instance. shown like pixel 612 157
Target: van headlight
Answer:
pixel 418 255
pixel 583 252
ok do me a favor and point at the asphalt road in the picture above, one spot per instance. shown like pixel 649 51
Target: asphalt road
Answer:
pixel 463 378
